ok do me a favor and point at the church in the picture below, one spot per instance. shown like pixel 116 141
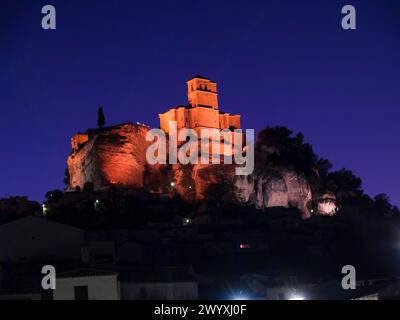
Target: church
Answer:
pixel 202 109
pixel 116 155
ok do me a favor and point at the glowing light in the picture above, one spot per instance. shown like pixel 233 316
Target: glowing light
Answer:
pixel 45 210
pixel 327 205
pixel 327 208
pixel 244 246
pixel 296 297
pixel 240 296
pixel 172 184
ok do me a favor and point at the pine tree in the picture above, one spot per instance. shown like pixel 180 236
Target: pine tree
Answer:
pixel 66 177
pixel 100 118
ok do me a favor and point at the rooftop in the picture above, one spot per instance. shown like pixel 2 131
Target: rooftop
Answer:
pixel 201 77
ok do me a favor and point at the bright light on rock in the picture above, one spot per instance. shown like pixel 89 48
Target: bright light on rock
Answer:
pixel 327 205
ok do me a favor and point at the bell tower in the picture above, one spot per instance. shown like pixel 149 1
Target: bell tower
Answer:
pixel 202 110
pixel 202 92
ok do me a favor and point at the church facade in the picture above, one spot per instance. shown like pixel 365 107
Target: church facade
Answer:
pixel 202 109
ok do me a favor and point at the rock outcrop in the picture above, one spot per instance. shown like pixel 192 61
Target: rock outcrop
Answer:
pixel 192 182
pixel 117 156
pixel 110 156
pixel 288 189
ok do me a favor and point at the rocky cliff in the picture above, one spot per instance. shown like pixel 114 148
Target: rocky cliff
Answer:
pixel 110 156
pixel 117 156
pixel 196 181
pixel 286 189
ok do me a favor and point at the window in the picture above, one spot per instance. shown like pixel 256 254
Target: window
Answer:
pixel 81 293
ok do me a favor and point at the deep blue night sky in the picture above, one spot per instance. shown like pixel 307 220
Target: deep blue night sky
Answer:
pixel 276 63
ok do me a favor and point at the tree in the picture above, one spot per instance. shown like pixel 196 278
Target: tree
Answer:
pixel 54 195
pixel 344 183
pixel 324 167
pixel 277 147
pixel 221 191
pixel 66 177
pixel 100 118
pixel 382 205
pixel 396 211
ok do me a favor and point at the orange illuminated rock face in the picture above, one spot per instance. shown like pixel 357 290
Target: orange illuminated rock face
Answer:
pixel 111 156
pixel 117 156
pixel 78 140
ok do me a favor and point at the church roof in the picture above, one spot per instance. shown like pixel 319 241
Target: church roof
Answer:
pixel 201 77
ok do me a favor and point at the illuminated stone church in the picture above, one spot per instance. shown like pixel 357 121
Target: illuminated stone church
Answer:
pixel 202 109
